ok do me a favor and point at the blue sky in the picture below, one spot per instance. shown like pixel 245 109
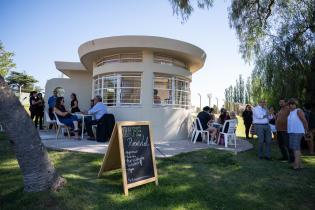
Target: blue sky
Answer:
pixel 40 32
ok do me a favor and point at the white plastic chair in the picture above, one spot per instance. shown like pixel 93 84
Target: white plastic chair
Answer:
pixel 61 126
pixel 49 121
pixel 191 128
pixel 229 136
pixel 198 130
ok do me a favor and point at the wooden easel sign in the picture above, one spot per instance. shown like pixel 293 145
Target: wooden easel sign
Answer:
pixel 131 149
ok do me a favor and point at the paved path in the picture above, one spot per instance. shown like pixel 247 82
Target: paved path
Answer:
pixel 162 149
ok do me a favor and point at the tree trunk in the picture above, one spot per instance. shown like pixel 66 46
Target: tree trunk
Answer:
pixel 38 172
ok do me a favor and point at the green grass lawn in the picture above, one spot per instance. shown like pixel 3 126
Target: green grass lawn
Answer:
pixel 206 179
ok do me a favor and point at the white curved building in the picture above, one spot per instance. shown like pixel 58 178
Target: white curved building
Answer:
pixel 126 71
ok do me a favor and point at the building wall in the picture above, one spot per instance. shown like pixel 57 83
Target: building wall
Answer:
pixel 167 123
pixel 80 83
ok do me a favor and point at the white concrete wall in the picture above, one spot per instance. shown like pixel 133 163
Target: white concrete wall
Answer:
pixel 167 123
pixel 80 83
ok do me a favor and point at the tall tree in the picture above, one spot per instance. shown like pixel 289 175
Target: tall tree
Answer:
pixel 241 89
pixel 22 78
pixel 280 37
pixel 248 91
pixel 6 61
pixel 38 172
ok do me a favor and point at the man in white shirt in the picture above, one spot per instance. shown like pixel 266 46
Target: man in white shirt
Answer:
pixel 98 110
pixel 262 128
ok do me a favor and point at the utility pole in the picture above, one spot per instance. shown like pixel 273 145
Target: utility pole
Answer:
pixel 199 100
pixel 20 86
pixel 209 98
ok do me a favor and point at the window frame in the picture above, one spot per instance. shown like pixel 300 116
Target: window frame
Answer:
pixel 118 78
pixel 173 90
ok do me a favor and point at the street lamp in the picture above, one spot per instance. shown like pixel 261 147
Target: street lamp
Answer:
pixel 209 97
pixel 217 102
pixel 20 91
pixel 199 100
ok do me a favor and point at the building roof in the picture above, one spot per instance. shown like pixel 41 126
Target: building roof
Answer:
pixel 93 50
pixel 68 67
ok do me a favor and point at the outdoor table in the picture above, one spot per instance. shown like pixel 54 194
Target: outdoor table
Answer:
pixel 217 125
pixel 83 116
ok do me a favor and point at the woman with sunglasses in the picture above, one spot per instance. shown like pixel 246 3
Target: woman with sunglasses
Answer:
pixel 66 117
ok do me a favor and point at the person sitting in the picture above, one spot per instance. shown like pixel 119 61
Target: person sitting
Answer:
pixel 51 104
pixel 65 117
pixel 156 98
pixel 206 118
pixel 223 116
pixel 99 109
pixel 233 116
pixel 91 103
pixel 74 103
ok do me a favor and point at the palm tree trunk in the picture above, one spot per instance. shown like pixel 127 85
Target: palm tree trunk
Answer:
pixel 38 172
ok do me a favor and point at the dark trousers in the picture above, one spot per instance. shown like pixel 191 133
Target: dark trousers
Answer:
pixel 51 116
pixel 247 128
pixel 39 116
pixel 283 141
pixel 88 124
pixel 33 114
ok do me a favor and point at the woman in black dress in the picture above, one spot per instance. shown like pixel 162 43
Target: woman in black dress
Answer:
pixel 39 113
pixel 74 103
pixel 248 119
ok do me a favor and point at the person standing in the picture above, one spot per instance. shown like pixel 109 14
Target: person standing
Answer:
pixel 51 104
pixel 248 119
pixel 297 128
pixel 310 117
pixel 282 134
pixel 33 104
pixel 74 103
pixel 263 131
pixel 272 121
pixel 39 113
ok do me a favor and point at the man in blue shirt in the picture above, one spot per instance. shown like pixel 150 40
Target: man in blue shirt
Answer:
pixel 98 110
pixel 51 104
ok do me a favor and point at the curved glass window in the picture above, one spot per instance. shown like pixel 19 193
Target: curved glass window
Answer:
pixel 120 58
pixel 119 88
pixel 164 59
pixel 170 90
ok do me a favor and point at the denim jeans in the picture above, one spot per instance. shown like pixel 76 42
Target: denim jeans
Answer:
pixel 263 132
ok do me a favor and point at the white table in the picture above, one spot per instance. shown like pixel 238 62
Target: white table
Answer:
pixel 82 116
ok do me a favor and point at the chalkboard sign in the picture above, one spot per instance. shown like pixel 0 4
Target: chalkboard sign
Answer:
pixel 138 154
pixel 131 149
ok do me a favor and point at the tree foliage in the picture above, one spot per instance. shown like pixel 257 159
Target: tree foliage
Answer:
pixel 280 37
pixel 6 61
pixel 237 94
pixel 24 79
pixel 184 8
